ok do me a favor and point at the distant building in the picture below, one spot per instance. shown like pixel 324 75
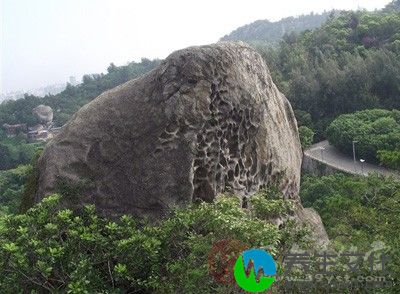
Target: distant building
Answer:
pixel 35 136
pixel 38 133
pixel 13 130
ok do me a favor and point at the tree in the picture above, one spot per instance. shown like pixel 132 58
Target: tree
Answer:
pixel 393 6
pixel 390 159
pixel 111 68
pixel 374 130
pixel 306 137
pixel 303 118
pixel 358 211
pixel 350 63
pixel 11 188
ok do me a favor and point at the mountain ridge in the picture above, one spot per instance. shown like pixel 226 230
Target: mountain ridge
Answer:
pixel 267 31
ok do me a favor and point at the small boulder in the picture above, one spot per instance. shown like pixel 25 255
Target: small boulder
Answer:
pixel 44 114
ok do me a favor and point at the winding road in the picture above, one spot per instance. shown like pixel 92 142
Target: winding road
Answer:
pixel 326 153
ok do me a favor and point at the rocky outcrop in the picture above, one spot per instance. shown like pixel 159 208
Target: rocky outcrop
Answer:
pixel 43 114
pixel 312 219
pixel 207 120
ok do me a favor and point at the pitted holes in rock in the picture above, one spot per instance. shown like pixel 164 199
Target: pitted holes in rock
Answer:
pixel 225 154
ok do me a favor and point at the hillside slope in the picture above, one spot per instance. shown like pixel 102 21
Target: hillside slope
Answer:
pixel 264 30
pixel 66 103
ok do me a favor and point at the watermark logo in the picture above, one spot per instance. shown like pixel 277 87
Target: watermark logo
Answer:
pixel 232 264
pixel 255 270
pixel 222 258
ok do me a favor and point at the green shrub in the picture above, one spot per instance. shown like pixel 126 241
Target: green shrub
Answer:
pixel 11 188
pixel 306 137
pixel 374 130
pixel 55 249
pixel 358 211
pixel 15 151
pixel 390 159
pixel 303 118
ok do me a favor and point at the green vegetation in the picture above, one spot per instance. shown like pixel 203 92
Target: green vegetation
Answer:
pixel 306 137
pixel 73 97
pixel 11 188
pixel 351 63
pixel 54 249
pixel 374 130
pixel 15 151
pixel 390 159
pixel 18 187
pixel 303 119
pixel 358 211
pixel 264 31
pixel 393 6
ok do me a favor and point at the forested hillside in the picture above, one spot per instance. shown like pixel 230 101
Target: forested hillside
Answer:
pixel 73 97
pixel 393 6
pixel 271 32
pixel 376 131
pixel 351 63
pixel 15 151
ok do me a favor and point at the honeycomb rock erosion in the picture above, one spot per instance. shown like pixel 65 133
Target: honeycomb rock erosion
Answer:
pixel 207 120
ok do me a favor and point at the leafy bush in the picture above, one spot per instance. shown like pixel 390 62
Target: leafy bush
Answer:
pixel 306 137
pixel 54 249
pixel 358 211
pixel 375 130
pixel 15 151
pixel 11 188
pixel 390 159
pixel 303 118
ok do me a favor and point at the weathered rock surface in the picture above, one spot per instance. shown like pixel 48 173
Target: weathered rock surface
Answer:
pixel 207 120
pixel 43 113
pixel 310 217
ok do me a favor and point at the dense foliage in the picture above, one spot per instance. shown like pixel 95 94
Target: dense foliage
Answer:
pixel 54 249
pixel 351 63
pixel 270 32
pixel 16 151
pixel 393 6
pixel 374 130
pixel 390 159
pixel 357 212
pixel 306 137
pixel 12 184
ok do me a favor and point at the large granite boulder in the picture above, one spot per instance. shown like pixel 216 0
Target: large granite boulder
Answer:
pixel 207 120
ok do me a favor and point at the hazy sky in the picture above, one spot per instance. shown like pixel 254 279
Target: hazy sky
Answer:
pixel 46 41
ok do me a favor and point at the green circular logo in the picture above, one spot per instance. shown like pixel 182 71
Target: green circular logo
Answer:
pixel 255 270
